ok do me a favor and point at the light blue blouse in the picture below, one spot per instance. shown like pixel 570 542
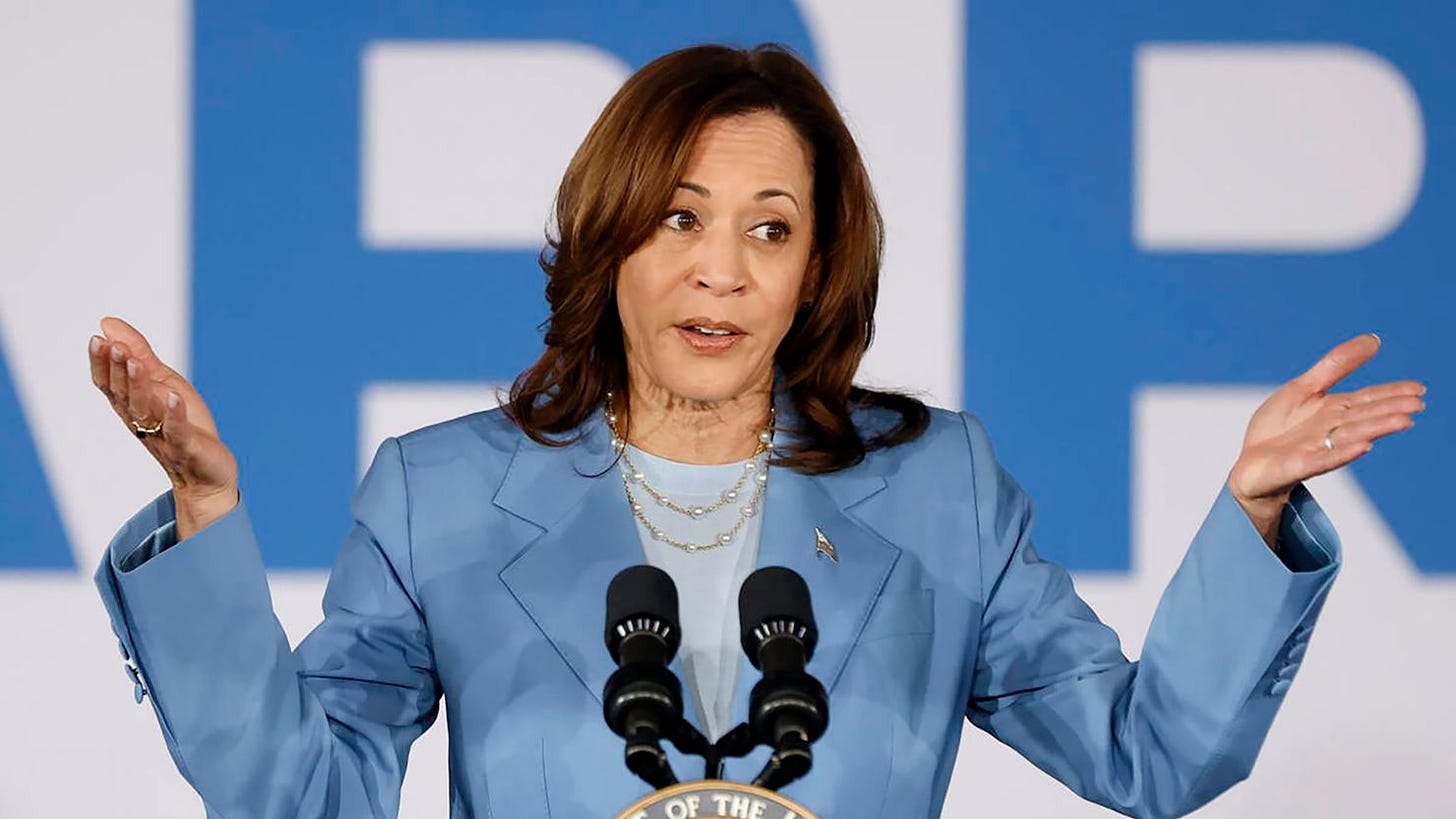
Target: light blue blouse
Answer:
pixel 708 579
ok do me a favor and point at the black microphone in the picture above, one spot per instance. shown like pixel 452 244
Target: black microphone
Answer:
pixel 642 700
pixel 788 709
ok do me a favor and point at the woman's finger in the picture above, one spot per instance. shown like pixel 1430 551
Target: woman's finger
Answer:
pixel 147 395
pixel 180 436
pixel 1338 363
pixel 1367 430
pixel 1379 392
pixel 136 344
pixel 1396 404
pixel 1328 460
pixel 163 444
pixel 117 329
pixel 97 350
pixel 120 396
pixel 142 403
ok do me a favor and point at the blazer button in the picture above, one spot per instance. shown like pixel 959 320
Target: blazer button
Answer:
pixel 1296 652
pixel 120 646
pixel 1279 687
pixel 1287 672
pixel 139 689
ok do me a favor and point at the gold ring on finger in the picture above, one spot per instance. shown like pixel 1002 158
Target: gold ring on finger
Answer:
pixel 143 431
pixel 1329 438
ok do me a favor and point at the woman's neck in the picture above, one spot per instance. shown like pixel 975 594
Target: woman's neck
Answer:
pixel 697 432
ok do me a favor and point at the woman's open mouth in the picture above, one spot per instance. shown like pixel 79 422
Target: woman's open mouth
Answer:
pixel 709 337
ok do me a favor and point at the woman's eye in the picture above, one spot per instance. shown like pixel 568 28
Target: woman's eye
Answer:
pixel 681 220
pixel 771 232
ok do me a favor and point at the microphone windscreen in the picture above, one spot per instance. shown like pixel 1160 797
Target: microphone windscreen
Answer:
pixel 775 593
pixel 642 592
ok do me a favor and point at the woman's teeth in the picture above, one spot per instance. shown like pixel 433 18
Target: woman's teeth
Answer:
pixel 707 331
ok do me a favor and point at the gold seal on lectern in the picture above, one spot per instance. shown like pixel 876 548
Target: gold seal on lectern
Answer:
pixel 709 798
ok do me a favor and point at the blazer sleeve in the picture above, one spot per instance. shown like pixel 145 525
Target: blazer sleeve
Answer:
pixel 1164 735
pixel 257 729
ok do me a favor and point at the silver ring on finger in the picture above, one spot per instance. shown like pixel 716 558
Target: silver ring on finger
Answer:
pixel 1329 438
pixel 142 431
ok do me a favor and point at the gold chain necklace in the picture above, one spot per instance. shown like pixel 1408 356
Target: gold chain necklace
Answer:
pixel 755 469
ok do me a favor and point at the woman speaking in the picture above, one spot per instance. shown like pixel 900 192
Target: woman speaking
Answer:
pixel 712 280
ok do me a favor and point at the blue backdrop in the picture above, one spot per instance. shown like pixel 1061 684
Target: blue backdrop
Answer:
pixel 293 315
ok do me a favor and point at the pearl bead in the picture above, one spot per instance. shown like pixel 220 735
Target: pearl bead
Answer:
pixel 763 477
pixel 657 534
pixel 748 511
pixel 638 477
pixel 725 537
pixel 698 511
pixel 750 466
pixel 766 437
pixel 731 495
pixel 636 507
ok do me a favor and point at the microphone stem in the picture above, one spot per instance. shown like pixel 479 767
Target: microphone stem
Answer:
pixel 790 760
pixel 646 759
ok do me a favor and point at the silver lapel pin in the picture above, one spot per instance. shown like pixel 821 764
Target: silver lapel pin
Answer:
pixel 823 548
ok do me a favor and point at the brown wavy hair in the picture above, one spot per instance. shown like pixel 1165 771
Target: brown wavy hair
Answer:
pixel 615 194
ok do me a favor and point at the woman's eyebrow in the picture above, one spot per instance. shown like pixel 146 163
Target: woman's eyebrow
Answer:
pixel 767 193
pixel 772 192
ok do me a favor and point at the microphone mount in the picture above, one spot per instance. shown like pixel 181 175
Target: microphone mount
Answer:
pixel 642 700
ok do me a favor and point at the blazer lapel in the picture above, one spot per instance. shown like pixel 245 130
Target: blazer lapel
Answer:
pixel 843 593
pixel 574 495
pixel 560 578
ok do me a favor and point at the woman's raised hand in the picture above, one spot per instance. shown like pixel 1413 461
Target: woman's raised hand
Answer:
pixel 1304 430
pixel 144 392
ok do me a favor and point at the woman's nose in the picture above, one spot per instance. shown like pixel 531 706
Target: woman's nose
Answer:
pixel 721 265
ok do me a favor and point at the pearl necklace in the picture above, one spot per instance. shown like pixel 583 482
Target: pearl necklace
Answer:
pixel 755 469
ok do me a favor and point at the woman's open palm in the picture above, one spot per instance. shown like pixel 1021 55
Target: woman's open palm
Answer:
pixel 1304 429
pixel 144 392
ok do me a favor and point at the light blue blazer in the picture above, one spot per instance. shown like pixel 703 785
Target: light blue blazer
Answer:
pixel 477 569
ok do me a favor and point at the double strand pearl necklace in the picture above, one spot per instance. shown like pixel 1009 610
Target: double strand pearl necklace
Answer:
pixel 755 469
